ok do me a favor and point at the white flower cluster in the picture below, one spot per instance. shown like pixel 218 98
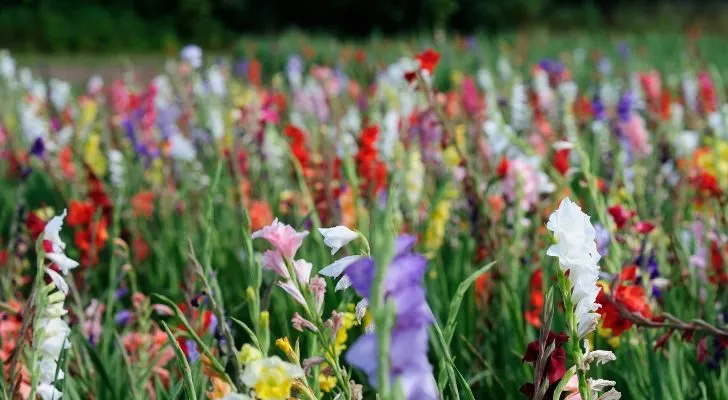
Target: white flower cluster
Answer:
pixel 51 337
pixel 576 249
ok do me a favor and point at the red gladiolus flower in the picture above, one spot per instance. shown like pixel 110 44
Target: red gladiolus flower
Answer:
pixel 80 213
pixel 142 204
pixel 632 298
pixel 644 227
pixel 502 169
pixel 372 171
pixel 298 144
pixel 719 274
pixel 428 60
pixel 35 225
pixel 533 314
pixel 620 215
pixel 555 364
pixel 561 161
pixel 707 184
pixel 140 248
pixel 410 76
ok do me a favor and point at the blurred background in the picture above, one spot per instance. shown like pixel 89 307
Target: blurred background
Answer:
pixel 150 26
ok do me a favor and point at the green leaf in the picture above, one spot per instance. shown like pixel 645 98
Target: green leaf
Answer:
pixel 458 299
pixel 564 381
pixel 249 331
pixel 183 364
pixel 465 384
pixel 100 369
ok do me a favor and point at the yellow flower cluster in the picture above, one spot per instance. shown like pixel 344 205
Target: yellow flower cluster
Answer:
pixel 342 335
pixel 435 233
pixel 93 156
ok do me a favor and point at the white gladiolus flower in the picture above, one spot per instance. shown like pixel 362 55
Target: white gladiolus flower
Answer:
pixel 576 249
pixel 60 93
pixel 192 54
pixel 48 392
pixel 595 356
pixel 49 370
pixel 62 261
pixel 180 148
pixel 600 384
pixel 58 280
pixel 216 81
pixel 51 332
pixel 612 394
pixel 335 269
pixel 116 167
pixel 95 84
pixel 337 237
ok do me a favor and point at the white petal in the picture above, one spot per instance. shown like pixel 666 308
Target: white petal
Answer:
pixel 48 392
pixel 58 280
pixel 337 237
pixel 344 283
pixel 63 262
pixel 338 267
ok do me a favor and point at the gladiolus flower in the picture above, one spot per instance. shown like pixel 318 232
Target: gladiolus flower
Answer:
pixel 337 237
pixel 283 237
pixel 428 60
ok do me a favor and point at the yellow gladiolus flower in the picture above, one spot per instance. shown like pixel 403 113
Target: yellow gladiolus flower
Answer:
pixel 327 383
pixel 93 156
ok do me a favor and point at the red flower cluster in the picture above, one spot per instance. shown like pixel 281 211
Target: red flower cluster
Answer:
pixel 372 171
pixel 533 314
pixel 298 144
pixel 92 234
pixel 631 296
pixel 561 161
pixel 555 364
pixel 428 59
pixel 620 215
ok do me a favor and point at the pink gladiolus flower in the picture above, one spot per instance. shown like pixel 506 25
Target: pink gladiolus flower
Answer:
pixel 283 237
pixel 634 130
pixel 651 84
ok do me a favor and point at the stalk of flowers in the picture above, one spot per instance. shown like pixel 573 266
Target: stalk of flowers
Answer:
pixel 308 292
pixel 403 367
pixel 50 331
pixel 577 253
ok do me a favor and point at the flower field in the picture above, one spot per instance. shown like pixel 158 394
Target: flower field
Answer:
pixel 469 218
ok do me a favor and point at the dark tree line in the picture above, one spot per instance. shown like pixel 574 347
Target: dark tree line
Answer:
pixel 106 25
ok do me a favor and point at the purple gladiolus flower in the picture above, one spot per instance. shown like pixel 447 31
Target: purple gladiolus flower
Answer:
pixel 624 107
pixel 192 353
pixel 123 317
pixel 600 113
pixel 623 49
pixel 38 147
pixel 602 239
pixel 408 351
